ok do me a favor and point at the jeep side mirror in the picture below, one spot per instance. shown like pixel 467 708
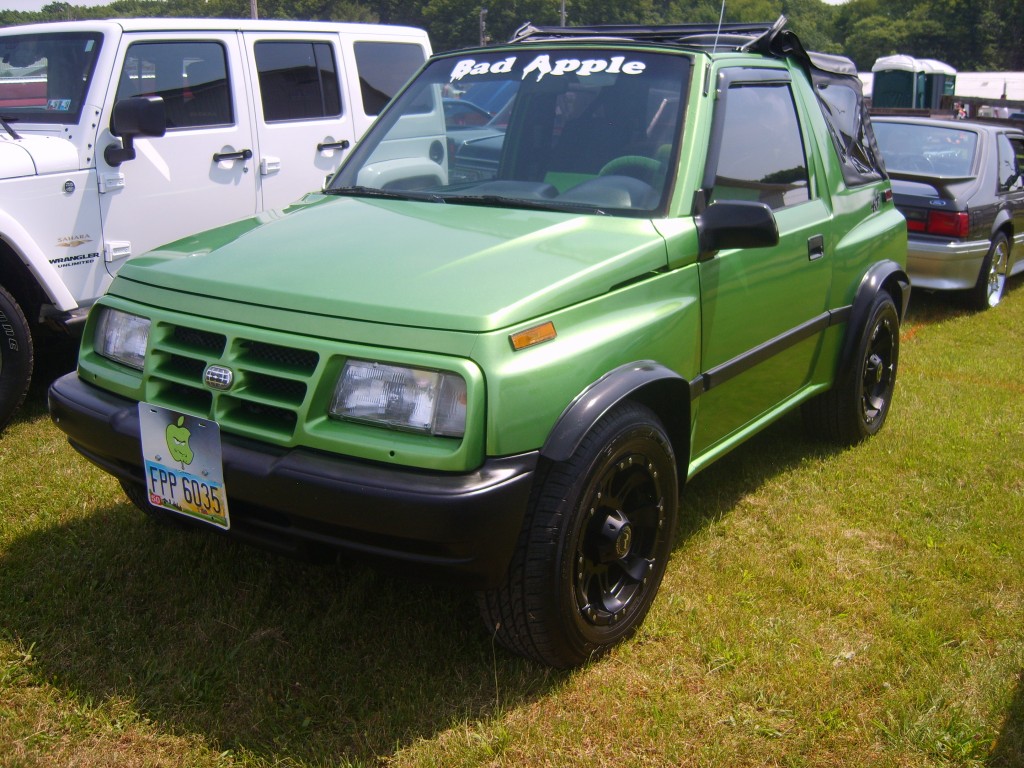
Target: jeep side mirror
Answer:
pixel 137 116
pixel 735 224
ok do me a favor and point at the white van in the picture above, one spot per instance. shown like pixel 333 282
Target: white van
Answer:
pixel 118 136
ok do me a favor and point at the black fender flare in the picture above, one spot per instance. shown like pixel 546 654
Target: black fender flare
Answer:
pixel 658 387
pixel 884 276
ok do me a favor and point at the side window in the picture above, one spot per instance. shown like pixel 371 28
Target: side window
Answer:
pixel 760 152
pixel 298 80
pixel 843 108
pixel 1018 150
pixel 1009 162
pixel 191 77
pixel 383 69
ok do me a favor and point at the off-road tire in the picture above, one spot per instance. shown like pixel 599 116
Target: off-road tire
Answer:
pixel 594 544
pixel 857 404
pixel 16 357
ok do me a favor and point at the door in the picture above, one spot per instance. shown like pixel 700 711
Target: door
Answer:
pixel 200 173
pixel 762 308
pixel 303 119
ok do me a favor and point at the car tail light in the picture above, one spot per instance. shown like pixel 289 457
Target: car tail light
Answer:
pixel 951 224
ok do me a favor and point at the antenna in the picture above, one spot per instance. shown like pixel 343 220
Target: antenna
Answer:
pixel 719 30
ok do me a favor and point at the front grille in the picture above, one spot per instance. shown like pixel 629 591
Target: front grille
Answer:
pixel 272 381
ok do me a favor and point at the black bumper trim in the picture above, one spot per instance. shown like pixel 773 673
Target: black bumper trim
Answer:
pixel 467 523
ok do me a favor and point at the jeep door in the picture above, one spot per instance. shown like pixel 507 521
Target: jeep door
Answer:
pixel 762 308
pixel 200 173
pixel 304 120
pixel 309 111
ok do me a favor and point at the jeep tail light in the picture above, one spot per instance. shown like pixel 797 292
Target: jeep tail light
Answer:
pixel 948 223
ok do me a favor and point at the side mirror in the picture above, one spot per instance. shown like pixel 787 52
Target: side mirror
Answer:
pixel 137 116
pixel 736 224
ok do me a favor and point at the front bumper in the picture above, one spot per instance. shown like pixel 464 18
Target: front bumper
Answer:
pixel 945 265
pixel 466 524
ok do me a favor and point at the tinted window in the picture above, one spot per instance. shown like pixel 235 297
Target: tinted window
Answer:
pixel 44 78
pixel 761 154
pixel 190 77
pixel 298 80
pixel 383 70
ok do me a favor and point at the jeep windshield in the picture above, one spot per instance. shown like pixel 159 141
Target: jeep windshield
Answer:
pixel 44 78
pixel 593 129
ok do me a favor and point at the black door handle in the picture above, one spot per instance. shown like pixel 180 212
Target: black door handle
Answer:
pixel 243 154
pixel 343 144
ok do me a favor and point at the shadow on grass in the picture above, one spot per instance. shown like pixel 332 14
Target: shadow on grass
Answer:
pixel 927 307
pixel 1008 751
pixel 248 650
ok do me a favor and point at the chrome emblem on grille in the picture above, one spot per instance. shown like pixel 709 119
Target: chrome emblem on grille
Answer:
pixel 218 377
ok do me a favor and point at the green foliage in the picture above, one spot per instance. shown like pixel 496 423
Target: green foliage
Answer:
pixel 970 35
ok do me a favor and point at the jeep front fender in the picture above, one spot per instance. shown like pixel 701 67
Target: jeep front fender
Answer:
pixel 883 276
pixel 662 389
pixel 20 242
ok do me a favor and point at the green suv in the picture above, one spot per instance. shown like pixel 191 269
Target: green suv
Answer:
pixel 500 349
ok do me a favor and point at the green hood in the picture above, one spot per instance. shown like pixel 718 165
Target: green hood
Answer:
pixel 454 267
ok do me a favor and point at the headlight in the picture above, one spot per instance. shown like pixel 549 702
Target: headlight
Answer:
pixel 414 399
pixel 122 337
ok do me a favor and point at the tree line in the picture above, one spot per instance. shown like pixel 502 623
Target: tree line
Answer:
pixel 970 35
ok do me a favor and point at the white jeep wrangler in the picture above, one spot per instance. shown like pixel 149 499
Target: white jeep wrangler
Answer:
pixel 118 136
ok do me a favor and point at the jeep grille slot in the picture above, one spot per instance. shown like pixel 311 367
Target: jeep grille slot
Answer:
pixel 265 418
pixel 180 397
pixel 289 391
pixel 194 340
pixel 288 359
pixel 187 370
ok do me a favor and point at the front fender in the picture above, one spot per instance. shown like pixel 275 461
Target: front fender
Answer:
pixel 664 390
pixel 24 247
pixel 883 276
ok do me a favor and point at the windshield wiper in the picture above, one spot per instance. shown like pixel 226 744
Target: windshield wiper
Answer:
pixel 542 204
pixel 374 192
pixel 6 123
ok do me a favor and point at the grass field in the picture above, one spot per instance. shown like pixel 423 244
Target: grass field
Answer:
pixel 862 607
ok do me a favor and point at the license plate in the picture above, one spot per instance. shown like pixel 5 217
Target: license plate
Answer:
pixel 182 459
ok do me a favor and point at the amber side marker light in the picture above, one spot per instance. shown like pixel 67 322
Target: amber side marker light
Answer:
pixel 531 336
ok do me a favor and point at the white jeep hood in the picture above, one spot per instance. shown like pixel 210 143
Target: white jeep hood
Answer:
pixel 35 155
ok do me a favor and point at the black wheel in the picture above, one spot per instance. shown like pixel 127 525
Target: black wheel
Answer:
pixel 992 278
pixel 136 494
pixel 594 544
pixel 15 357
pixel 856 406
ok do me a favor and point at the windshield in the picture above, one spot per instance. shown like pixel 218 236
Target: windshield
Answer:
pixel 930 150
pixel 596 129
pixel 44 78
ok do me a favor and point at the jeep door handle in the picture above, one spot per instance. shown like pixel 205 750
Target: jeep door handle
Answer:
pixel 343 144
pixel 242 154
pixel 815 247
